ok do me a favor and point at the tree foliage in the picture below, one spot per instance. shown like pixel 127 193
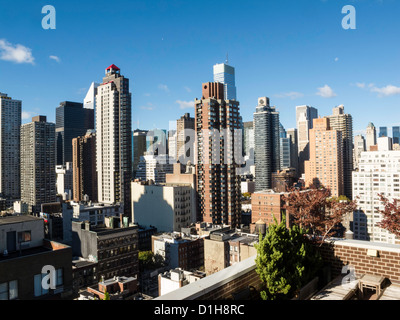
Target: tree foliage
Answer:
pixel 316 211
pixel 149 261
pixel 285 261
pixel 391 215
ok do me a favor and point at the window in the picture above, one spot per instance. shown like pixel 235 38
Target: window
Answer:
pixel 9 290
pixel 39 290
pixel 24 236
pixel 59 279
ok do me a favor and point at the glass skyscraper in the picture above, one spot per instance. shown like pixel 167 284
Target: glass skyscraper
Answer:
pixel 383 132
pixel 267 143
pixel 396 134
pixel 72 121
pixel 225 74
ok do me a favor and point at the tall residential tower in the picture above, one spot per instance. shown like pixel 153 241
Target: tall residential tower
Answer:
pixel 114 139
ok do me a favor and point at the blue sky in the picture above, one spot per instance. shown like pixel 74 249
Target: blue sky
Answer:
pixel 294 52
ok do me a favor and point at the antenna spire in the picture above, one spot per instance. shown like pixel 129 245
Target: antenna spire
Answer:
pixel 227 60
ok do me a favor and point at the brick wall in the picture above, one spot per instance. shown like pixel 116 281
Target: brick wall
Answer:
pixel 225 291
pixel 355 253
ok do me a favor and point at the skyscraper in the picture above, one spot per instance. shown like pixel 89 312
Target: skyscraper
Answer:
pixel 396 134
pixel 218 147
pixel 114 139
pixel 84 167
pixel 72 120
pixel 225 74
pixel 343 122
pixel 139 147
pixel 90 99
pixel 10 128
pixel 379 173
pixel 325 167
pixel 294 154
pixel 304 119
pixel 38 162
pixel 383 132
pixel 370 136
pixel 359 147
pixel 185 136
pixel 266 143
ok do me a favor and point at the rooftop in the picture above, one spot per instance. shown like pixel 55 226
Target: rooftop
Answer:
pixel 17 219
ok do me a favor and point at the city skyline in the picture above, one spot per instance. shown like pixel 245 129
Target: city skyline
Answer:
pixel 165 72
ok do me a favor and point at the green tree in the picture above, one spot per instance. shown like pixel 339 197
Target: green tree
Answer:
pixel 285 261
pixel 106 296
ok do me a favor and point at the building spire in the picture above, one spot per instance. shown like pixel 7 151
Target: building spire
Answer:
pixel 227 60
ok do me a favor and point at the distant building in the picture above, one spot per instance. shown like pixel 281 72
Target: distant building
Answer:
pixel 114 139
pixel 72 120
pixel 294 153
pixel 378 173
pixel 139 148
pixel 24 252
pixel 383 132
pixel 370 136
pixel 304 119
pixel 64 180
pixel 268 206
pixel 167 207
pixel 185 175
pixel 113 248
pixel 218 146
pixel 84 172
pixel 396 135
pixel 359 147
pixel 325 167
pixel 118 288
pixel 179 250
pixel 343 122
pixel 97 213
pixel 10 147
pixel 175 279
pixel 267 143
pixel 284 180
pixel 38 160
pixel 225 74
pixel 185 136
pixel 224 248
pixel 154 167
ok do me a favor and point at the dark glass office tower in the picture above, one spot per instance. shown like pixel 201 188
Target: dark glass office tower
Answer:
pixel 396 134
pixel 383 132
pixel 72 121
pixel 267 143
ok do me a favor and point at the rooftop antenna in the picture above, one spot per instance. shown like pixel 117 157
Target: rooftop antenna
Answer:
pixel 227 60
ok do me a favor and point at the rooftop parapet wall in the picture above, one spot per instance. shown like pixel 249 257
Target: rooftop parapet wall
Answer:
pixel 366 257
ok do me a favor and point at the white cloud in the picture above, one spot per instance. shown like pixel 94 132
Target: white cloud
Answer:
pixel 389 90
pixel 185 104
pixel 163 87
pixel 360 85
pixel 55 58
pixel 27 115
pixel 188 89
pixel 15 53
pixel 336 59
pixel 326 92
pixel 292 95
